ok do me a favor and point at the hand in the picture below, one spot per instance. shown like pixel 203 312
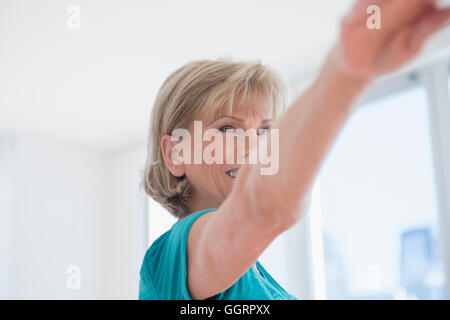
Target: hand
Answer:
pixel 405 27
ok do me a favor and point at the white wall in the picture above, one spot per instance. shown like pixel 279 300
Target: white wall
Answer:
pixel 62 205
pixel 6 207
pixel 126 223
pixel 56 220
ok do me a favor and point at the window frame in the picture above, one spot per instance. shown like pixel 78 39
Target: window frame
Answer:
pixel 435 79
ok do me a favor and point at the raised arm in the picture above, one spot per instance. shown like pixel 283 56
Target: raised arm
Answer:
pixel 223 245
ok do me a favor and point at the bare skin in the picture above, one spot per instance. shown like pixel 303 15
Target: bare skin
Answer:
pixel 254 209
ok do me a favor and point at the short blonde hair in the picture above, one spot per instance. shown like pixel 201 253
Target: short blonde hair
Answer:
pixel 200 90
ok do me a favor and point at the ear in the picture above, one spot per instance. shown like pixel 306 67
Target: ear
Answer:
pixel 171 156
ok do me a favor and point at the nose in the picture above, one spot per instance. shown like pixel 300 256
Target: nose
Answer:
pixel 252 141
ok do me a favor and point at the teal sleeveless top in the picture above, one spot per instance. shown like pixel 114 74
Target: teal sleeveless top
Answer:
pixel 163 274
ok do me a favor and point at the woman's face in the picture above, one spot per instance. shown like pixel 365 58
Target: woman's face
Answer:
pixel 212 183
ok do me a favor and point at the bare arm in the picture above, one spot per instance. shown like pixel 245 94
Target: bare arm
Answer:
pixel 223 245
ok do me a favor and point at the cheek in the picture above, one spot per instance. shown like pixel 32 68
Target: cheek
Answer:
pixel 213 179
pixel 221 150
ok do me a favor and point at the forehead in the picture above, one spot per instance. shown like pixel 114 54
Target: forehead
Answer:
pixel 253 106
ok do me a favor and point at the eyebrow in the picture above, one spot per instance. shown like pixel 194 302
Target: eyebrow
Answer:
pixel 240 119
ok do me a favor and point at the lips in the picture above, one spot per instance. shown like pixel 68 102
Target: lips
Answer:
pixel 234 173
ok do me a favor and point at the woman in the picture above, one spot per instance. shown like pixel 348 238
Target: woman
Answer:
pixel 229 213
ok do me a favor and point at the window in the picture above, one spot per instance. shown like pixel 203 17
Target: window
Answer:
pixel 379 215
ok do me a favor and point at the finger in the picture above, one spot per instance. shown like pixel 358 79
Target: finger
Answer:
pixel 427 26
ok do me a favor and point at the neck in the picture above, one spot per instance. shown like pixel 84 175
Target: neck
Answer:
pixel 198 203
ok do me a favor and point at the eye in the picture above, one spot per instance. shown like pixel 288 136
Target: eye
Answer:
pixel 227 128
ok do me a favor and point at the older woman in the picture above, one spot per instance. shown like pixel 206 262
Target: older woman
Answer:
pixel 228 212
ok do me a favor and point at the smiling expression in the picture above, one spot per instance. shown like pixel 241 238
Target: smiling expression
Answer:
pixel 212 183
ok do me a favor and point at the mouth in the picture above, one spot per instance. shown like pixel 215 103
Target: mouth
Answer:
pixel 234 173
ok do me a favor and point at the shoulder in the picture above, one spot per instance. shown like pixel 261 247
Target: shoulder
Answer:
pixel 164 267
pixel 188 221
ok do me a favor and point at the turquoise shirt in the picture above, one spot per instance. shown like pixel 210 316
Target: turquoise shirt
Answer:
pixel 163 274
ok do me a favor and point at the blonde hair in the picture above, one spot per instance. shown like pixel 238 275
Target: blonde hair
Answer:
pixel 200 90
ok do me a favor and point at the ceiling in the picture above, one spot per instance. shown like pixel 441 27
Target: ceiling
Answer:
pixel 95 86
